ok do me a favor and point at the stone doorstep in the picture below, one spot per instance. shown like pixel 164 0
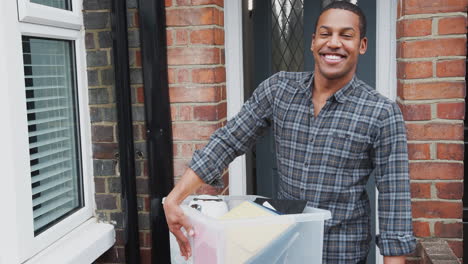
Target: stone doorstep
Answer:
pixel 436 251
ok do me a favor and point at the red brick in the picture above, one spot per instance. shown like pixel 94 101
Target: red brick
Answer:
pixel 436 171
pixel 209 75
pixel 202 36
pixel 171 75
pixel 431 48
pixel 183 2
pixel 419 151
pixel 433 6
pixel 221 18
pixel 421 229
pixel 174 112
pixel 102 133
pixel 414 27
pixel 169 38
pixel 452 230
pixel 184 150
pixel 136 18
pixel 208 2
pixel 209 112
pixel 145 238
pixel 218 36
pixel 185 113
pixel 193 55
pixel 194 94
pixel 145 256
pixel 416 112
pixel 433 131
pixel 449 190
pixel 450 151
pixel 193 131
pixel 457 247
pixel 451 110
pixel 192 16
pixel 414 69
pixel 180 165
pixel 436 209
pixel 451 68
pixel 452 25
pixel 105 150
pixel 167 3
pixel 431 90
pixel 140 95
pixel 420 190
pixel 181 37
pixel 183 75
pixel 138 58
pixel 99 185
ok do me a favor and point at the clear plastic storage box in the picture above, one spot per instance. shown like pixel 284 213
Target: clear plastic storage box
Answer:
pixel 292 238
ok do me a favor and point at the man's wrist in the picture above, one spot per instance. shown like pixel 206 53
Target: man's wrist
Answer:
pixel 394 259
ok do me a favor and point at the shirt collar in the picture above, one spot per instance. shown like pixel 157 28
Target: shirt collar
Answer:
pixel 340 96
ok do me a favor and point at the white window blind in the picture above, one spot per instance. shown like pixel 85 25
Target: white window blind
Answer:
pixel 54 148
pixel 62 4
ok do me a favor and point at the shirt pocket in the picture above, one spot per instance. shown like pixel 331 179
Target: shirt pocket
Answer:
pixel 348 148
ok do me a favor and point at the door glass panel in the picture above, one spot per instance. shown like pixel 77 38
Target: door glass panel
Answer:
pixel 287 31
pixel 62 4
pixel 52 109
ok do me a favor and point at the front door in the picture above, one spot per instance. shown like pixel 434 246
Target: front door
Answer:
pixel 276 37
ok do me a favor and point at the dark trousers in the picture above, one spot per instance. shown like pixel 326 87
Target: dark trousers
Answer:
pixel 362 261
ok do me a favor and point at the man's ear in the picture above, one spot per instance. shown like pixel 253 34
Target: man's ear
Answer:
pixel 363 46
pixel 312 43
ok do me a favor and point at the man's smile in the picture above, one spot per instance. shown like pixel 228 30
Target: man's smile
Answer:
pixel 332 58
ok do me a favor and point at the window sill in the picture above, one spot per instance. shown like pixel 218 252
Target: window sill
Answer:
pixel 82 245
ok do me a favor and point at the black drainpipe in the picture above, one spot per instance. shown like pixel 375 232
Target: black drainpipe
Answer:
pixel 125 130
pixel 158 120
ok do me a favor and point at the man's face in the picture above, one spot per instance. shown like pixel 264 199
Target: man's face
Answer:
pixel 336 44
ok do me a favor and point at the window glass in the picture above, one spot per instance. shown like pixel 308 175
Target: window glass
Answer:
pixel 51 96
pixel 62 4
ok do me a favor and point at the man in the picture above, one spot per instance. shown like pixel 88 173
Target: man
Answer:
pixel 332 132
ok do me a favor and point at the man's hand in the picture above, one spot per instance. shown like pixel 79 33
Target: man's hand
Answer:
pixel 394 260
pixel 176 219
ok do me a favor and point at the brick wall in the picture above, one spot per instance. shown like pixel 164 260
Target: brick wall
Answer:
pixel 197 88
pixel 431 52
pixel 104 124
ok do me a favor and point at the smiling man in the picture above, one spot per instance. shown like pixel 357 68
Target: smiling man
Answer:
pixel 332 132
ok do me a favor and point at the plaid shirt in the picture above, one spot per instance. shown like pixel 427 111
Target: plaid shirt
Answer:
pixel 327 159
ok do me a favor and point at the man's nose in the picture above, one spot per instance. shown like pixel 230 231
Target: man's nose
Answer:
pixel 334 42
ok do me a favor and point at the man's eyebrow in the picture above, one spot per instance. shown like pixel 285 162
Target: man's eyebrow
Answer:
pixel 342 29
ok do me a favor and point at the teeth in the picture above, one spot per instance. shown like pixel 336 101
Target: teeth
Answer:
pixel 332 57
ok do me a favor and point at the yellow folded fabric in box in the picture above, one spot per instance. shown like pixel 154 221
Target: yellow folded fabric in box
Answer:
pixel 243 241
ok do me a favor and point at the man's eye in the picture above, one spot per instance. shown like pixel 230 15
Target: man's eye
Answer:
pixel 324 34
pixel 347 36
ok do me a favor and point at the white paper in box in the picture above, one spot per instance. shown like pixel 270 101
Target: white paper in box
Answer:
pixel 294 238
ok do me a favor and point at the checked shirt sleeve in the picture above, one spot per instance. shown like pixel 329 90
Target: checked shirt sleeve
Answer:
pixel 392 179
pixel 236 136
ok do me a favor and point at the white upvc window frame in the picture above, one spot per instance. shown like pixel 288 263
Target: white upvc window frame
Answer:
pixel 18 244
pixel 46 15
pixel 41 241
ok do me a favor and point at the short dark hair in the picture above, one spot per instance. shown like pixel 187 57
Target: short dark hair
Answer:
pixel 349 7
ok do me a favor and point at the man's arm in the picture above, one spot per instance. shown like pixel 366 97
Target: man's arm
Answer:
pixel 390 158
pixel 175 216
pixel 225 144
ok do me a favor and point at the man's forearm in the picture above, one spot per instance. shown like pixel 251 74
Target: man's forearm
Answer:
pixel 394 260
pixel 189 183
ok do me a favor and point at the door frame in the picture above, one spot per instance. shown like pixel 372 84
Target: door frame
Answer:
pixel 386 82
